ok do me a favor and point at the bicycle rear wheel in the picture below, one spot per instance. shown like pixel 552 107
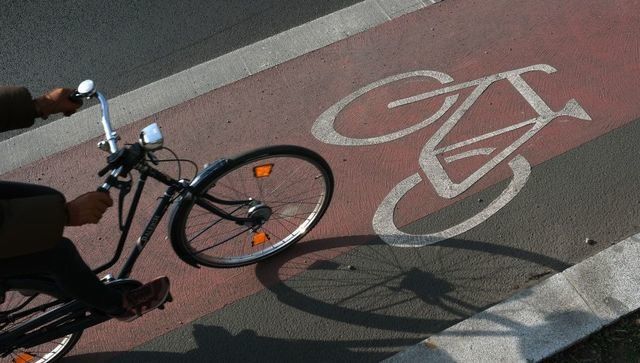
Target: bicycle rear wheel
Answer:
pixel 288 187
pixel 20 306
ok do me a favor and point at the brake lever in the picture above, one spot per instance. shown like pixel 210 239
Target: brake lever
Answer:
pixel 105 170
pixel 113 161
pixel 153 158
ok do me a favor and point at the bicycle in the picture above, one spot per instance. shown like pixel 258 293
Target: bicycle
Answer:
pixel 236 211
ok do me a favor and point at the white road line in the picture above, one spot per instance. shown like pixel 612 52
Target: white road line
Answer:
pixel 183 86
pixel 383 222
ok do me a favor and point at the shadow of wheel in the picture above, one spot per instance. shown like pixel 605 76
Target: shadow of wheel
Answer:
pixel 374 285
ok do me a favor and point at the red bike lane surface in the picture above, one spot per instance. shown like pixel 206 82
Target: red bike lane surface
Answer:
pixel 592 45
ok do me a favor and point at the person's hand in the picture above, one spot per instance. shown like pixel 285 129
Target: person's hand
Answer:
pixel 88 208
pixel 55 101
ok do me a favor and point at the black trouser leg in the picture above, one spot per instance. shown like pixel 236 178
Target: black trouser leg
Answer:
pixel 32 218
pixel 32 243
pixel 65 265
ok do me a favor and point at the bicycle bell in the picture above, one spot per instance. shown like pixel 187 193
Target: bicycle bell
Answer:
pixel 86 89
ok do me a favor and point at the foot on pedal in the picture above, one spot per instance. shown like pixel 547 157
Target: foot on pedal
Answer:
pixel 145 298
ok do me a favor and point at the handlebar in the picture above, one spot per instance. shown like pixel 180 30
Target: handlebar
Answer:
pixel 87 89
pixel 107 185
pixel 120 161
pixel 110 135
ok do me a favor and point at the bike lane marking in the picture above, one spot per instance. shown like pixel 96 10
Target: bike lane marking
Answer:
pixel 324 129
pixel 280 105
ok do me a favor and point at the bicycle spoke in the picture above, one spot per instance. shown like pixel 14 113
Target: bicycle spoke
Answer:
pixel 259 186
pixel 286 220
pixel 238 194
pixel 204 230
pixel 248 241
pixel 302 194
pixel 279 195
pixel 31 307
pixel 225 232
pixel 219 243
pixel 284 181
pixel 213 224
pixel 289 231
pixel 271 233
pixel 295 202
pixel 282 216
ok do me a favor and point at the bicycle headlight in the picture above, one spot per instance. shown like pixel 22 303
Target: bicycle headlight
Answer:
pixel 151 137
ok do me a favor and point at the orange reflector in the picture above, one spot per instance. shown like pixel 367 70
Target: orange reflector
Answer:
pixel 259 238
pixel 23 358
pixel 262 171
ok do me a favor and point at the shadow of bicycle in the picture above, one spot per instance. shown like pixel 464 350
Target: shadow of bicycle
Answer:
pixel 212 343
pixel 423 290
pixel 405 295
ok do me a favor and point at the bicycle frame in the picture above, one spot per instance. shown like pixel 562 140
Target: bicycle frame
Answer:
pixel 175 187
pixel 73 316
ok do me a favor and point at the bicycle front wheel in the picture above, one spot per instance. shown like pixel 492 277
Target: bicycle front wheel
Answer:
pixel 22 305
pixel 286 188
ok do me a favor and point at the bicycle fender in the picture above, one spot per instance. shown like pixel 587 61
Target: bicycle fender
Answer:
pixel 209 170
pixel 195 186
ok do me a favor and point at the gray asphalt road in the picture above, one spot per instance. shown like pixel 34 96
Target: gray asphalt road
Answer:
pixel 123 45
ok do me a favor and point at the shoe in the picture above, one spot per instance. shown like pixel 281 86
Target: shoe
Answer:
pixel 145 298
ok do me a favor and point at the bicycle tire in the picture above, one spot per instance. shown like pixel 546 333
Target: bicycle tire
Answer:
pixel 55 349
pixel 286 163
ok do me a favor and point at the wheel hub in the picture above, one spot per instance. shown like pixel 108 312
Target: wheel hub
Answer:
pixel 260 213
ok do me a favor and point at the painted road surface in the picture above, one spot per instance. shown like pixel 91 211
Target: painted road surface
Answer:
pixel 505 127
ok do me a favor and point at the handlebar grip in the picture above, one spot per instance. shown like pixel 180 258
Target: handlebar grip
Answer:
pixel 76 97
pixel 108 183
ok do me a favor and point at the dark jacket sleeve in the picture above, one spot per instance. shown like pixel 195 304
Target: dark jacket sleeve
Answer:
pixel 31 224
pixel 28 223
pixel 17 109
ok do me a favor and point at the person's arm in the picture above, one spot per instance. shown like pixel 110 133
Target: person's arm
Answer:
pixel 19 110
pixel 35 223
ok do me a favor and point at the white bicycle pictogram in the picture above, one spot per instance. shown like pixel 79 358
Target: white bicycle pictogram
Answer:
pixel 383 221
